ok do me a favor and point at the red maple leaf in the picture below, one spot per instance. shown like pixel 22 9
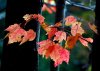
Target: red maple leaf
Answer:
pixel 44 45
pixel 57 53
pixel 39 18
pixel 16 36
pixel 52 32
pixel 12 28
pixel 35 16
pixel 60 36
pixel 29 36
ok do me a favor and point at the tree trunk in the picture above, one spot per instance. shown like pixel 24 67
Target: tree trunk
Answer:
pixel 20 57
pixel 96 44
pixel 60 10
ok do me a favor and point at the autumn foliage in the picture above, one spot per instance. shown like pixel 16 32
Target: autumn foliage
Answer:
pixel 51 47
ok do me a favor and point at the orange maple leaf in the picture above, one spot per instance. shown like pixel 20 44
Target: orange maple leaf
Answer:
pixel 71 41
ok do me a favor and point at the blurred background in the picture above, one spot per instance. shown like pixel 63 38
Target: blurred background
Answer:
pixel 2 24
pixel 80 56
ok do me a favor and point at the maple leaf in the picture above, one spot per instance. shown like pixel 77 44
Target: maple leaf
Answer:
pixel 29 36
pixel 93 28
pixel 70 20
pixel 64 56
pixel 46 8
pixel 15 33
pixel 27 17
pixel 12 28
pixel 53 8
pixel 54 51
pixel 51 32
pixel 85 41
pixel 89 40
pixel 55 54
pixel 60 36
pixel 16 36
pixel 40 18
pixel 71 41
pixel 49 50
pixel 58 55
pixel 43 46
pixel 35 16
pixel 76 28
pixel 50 10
